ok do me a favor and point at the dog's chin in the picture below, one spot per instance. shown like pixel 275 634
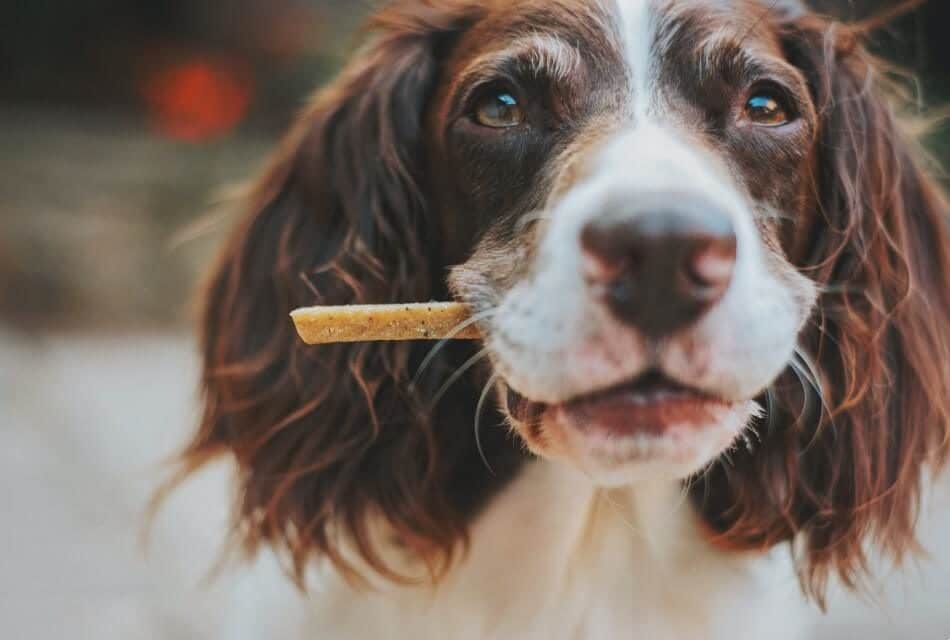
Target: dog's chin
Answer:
pixel 646 430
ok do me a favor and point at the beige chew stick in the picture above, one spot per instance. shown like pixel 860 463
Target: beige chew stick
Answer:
pixel 364 323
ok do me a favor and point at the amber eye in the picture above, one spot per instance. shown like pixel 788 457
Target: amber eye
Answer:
pixel 499 110
pixel 767 108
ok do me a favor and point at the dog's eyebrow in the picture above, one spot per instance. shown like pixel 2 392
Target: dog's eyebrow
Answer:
pixel 722 55
pixel 720 51
pixel 544 53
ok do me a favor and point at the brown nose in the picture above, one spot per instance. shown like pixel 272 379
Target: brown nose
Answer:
pixel 662 270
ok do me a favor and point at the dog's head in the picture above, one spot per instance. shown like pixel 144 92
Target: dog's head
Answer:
pixel 681 225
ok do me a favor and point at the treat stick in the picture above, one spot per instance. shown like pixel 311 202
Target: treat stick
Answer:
pixel 364 323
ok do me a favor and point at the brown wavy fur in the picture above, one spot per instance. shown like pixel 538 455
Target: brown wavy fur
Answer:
pixel 845 468
pixel 325 436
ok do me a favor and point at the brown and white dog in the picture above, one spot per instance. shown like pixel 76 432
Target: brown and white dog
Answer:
pixel 712 280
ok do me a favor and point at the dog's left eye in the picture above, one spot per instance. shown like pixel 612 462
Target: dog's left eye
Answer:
pixel 498 110
pixel 767 108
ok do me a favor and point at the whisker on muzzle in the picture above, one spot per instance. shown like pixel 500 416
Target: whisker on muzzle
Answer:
pixel 434 351
pixel 808 376
pixel 457 374
pixel 486 390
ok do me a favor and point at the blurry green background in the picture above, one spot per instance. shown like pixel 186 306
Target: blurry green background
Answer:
pixel 123 122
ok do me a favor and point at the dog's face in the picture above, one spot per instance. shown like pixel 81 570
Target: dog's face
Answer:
pixel 627 168
pixel 659 210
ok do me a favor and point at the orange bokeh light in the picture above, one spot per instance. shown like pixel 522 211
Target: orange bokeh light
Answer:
pixel 198 99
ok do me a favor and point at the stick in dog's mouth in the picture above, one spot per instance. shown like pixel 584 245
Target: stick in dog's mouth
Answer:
pixel 371 322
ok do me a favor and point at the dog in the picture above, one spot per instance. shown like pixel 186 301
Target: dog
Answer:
pixel 710 271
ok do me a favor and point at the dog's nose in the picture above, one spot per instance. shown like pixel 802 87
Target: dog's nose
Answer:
pixel 661 270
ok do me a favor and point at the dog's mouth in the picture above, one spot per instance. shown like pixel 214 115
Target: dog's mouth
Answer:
pixel 650 404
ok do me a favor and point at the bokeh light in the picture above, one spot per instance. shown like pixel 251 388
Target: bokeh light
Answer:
pixel 198 99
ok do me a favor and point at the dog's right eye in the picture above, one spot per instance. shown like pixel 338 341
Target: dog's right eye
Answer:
pixel 498 110
pixel 767 106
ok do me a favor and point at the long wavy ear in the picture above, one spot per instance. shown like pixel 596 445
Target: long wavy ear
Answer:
pixel 841 464
pixel 331 441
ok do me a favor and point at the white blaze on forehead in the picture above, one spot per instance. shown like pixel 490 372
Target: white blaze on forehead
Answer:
pixel 637 26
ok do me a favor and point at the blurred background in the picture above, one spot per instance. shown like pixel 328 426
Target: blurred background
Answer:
pixel 124 124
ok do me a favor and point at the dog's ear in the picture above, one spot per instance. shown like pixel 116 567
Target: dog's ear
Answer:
pixel 844 467
pixel 332 441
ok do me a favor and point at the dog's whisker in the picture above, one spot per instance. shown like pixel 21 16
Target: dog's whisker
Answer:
pixel 805 385
pixel 769 409
pixel 814 378
pixel 458 373
pixel 806 372
pixel 434 351
pixel 823 330
pixel 812 370
pixel 478 414
pixel 833 289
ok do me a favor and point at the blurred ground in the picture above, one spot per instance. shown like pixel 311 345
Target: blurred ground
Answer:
pixel 85 423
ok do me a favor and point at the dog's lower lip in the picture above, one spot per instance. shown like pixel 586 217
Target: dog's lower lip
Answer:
pixel 651 404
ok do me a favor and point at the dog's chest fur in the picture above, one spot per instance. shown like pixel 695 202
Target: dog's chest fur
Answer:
pixel 553 558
